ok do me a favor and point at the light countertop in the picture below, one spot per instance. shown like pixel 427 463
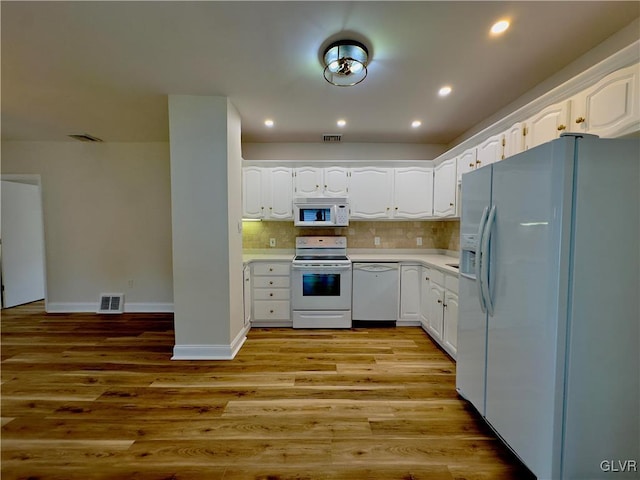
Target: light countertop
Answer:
pixel 434 259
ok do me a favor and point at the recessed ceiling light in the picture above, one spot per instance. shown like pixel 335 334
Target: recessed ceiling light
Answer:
pixel 268 123
pixel 499 27
pixel 341 122
pixel 444 91
pixel 416 123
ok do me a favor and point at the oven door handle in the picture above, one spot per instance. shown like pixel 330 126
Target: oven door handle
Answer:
pixel 320 267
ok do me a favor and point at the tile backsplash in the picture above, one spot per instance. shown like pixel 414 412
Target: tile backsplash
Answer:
pixel 360 234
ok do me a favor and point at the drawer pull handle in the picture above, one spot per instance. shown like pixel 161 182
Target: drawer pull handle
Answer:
pixel 270 311
pixel 271 294
pixel 271 282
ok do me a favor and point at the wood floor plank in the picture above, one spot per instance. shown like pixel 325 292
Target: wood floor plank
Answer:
pixel 97 397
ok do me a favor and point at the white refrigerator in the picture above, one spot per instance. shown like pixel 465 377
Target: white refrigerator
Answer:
pixel 549 313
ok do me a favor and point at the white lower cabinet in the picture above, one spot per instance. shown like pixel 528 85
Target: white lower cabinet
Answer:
pixel 450 315
pixel 409 295
pixel 439 307
pixel 270 294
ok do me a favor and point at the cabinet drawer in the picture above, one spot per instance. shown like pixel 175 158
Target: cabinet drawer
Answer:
pixel 271 294
pixel 271 310
pixel 451 283
pixel 262 268
pixel 436 276
pixel 271 282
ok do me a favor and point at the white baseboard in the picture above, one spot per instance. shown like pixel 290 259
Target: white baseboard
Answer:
pixel 407 323
pixel 92 307
pixel 211 352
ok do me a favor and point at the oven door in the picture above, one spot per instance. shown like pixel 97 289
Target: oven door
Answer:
pixel 321 287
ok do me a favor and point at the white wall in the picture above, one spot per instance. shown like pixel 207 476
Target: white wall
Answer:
pixel 107 217
pixel 207 241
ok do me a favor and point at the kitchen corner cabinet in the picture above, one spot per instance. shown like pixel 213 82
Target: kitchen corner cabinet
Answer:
pixel 270 294
pixel 444 189
pixel 609 108
pixel 371 192
pixel 315 181
pixel 409 295
pixel 267 193
pixel 412 192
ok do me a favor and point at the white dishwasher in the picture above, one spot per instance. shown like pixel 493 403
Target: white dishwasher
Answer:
pixel 375 292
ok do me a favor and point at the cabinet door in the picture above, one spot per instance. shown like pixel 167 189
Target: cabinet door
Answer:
pixel 436 312
pixel 413 192
pixel 610 107
pixel 425 299
pixel 450 333
pixel 281 193
pixel 514 140
pixel 307 181
pixel 336 182
pixel 410 292
pixel 466 162
pixel 252 192
pixel 371 192
pixel 246 292
pixel 489 151
pixel 444 189
pixel 547 124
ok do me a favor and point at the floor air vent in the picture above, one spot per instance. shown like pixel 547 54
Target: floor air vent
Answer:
pixel 111 303
pixel 332 137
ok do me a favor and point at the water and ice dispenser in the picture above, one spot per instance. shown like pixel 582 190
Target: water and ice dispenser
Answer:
pixel 468 248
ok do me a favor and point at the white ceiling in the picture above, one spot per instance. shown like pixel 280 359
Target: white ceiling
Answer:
pixel 106 68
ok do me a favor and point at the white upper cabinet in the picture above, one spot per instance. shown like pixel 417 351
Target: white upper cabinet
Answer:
pixel 611 107
pixel 281 193
pixel 336 182
pixel 371 192
pixel 489 151
pixel 444 188
pixel 514 140
pixel 547 124
pixel 267 193
pixel 467 162
pixel 413 192
pixel 307 181
pixel 316 181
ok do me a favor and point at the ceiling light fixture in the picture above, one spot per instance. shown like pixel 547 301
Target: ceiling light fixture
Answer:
pixel 444 91
pixel 345 63
pixel 268 123
pixel 499 27
pixel 341 123
pixel 416 123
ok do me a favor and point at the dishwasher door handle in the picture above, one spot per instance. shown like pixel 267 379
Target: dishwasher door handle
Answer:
pixel 375 268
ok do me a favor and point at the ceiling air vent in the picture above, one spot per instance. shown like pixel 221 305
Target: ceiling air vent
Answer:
pixel 111 303
pixel 332 137
pixel 85 137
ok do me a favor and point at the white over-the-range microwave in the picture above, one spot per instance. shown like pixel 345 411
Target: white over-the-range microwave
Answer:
pixel 320 212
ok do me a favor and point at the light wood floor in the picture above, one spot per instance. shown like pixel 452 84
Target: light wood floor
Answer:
pixel 97 397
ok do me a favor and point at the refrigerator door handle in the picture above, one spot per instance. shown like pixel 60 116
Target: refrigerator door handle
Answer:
pixel 479 260
pixel 484 268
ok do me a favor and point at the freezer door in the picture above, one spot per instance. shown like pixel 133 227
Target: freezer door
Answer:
pixel 472 321
pixel 529 260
